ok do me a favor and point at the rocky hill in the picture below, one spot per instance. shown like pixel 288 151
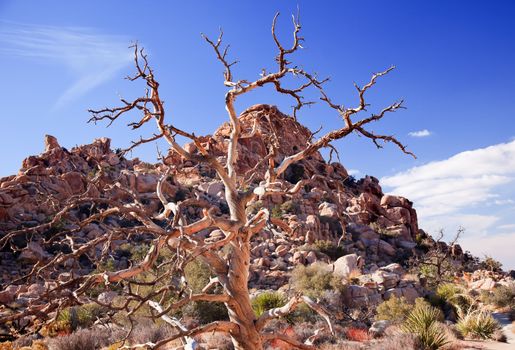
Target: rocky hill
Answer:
pixel 349 225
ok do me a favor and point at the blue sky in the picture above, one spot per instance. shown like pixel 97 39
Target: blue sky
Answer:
pixel 455 70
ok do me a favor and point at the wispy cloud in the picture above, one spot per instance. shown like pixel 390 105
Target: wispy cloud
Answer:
pixel 420 133
pixel 91 57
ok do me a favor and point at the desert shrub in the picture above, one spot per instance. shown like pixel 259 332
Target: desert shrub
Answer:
pixel 313 280
pixel 329 248
pixel 397 341
pixel 134 252
pixel 266 301
pixel 290 207
pixel 454 295
pixel 357 334
pixel 395 309
pixel 491 264
pixel 76 317
pixel 423 322
pixel 478 324
pixel 253 208
pixel 197 274
pixel 150 332
pixel 276 212
pixel 84 339
pixel 502 296
pixel 206 312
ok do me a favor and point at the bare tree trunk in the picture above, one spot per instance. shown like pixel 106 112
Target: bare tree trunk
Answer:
pixel 239 306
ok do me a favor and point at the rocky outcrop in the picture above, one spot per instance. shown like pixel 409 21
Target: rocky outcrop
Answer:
pixel 374 230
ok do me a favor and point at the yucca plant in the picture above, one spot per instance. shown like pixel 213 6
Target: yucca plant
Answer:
pixel 455 295
pixel 477 324
pixel 266 301
pixel 423 322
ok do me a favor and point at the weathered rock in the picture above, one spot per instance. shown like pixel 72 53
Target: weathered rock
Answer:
pixel 146 182
pixel 386 279
pixel 8 295
pixel 386 248
pixel 394 268
pixel 33 253
pixel 410 293
pixel 378 327
pixel 329 210
pixel 345 265
pixel 107 297
pixel 75 181
pixel 214 188
pixel 311 257
pixel 51 143
pixel 281 250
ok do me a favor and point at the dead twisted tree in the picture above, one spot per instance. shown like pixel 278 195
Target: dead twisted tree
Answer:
pixel 170 229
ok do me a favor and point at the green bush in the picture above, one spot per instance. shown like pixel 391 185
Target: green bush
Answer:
pixel 266 301
pixel 197 274
pixel 423 322
pixel 491 264
pixel 290 207
pixel 502 296
pixel 395 309
pixel 253 208
pixel 454 295
pixel 76 317
pixel 477 324
pixel 313 280
pixel 206 312
pixel 329 248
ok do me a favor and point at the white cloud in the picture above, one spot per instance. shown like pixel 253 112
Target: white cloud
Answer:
pixel 472 189
pixel 420 133
pixel 91 57
pixel 462 181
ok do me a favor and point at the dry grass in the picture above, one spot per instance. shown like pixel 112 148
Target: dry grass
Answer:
pixel 397 341
pixel 84 339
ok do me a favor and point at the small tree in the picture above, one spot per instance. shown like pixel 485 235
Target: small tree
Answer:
pixel 228 257
pixel 437 264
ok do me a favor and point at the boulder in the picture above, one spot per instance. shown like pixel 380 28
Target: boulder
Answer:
pixel 386 248
pixel 33 253
pixel 329 210
pixel 394 268
pixel 387 279
pixel 8 295
pixel 75 181
pixel 146 183
pixel 378 327
pixel 213 189
pixel 51 143
pixel 344 265
pixel 410 293
pixel 107 297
